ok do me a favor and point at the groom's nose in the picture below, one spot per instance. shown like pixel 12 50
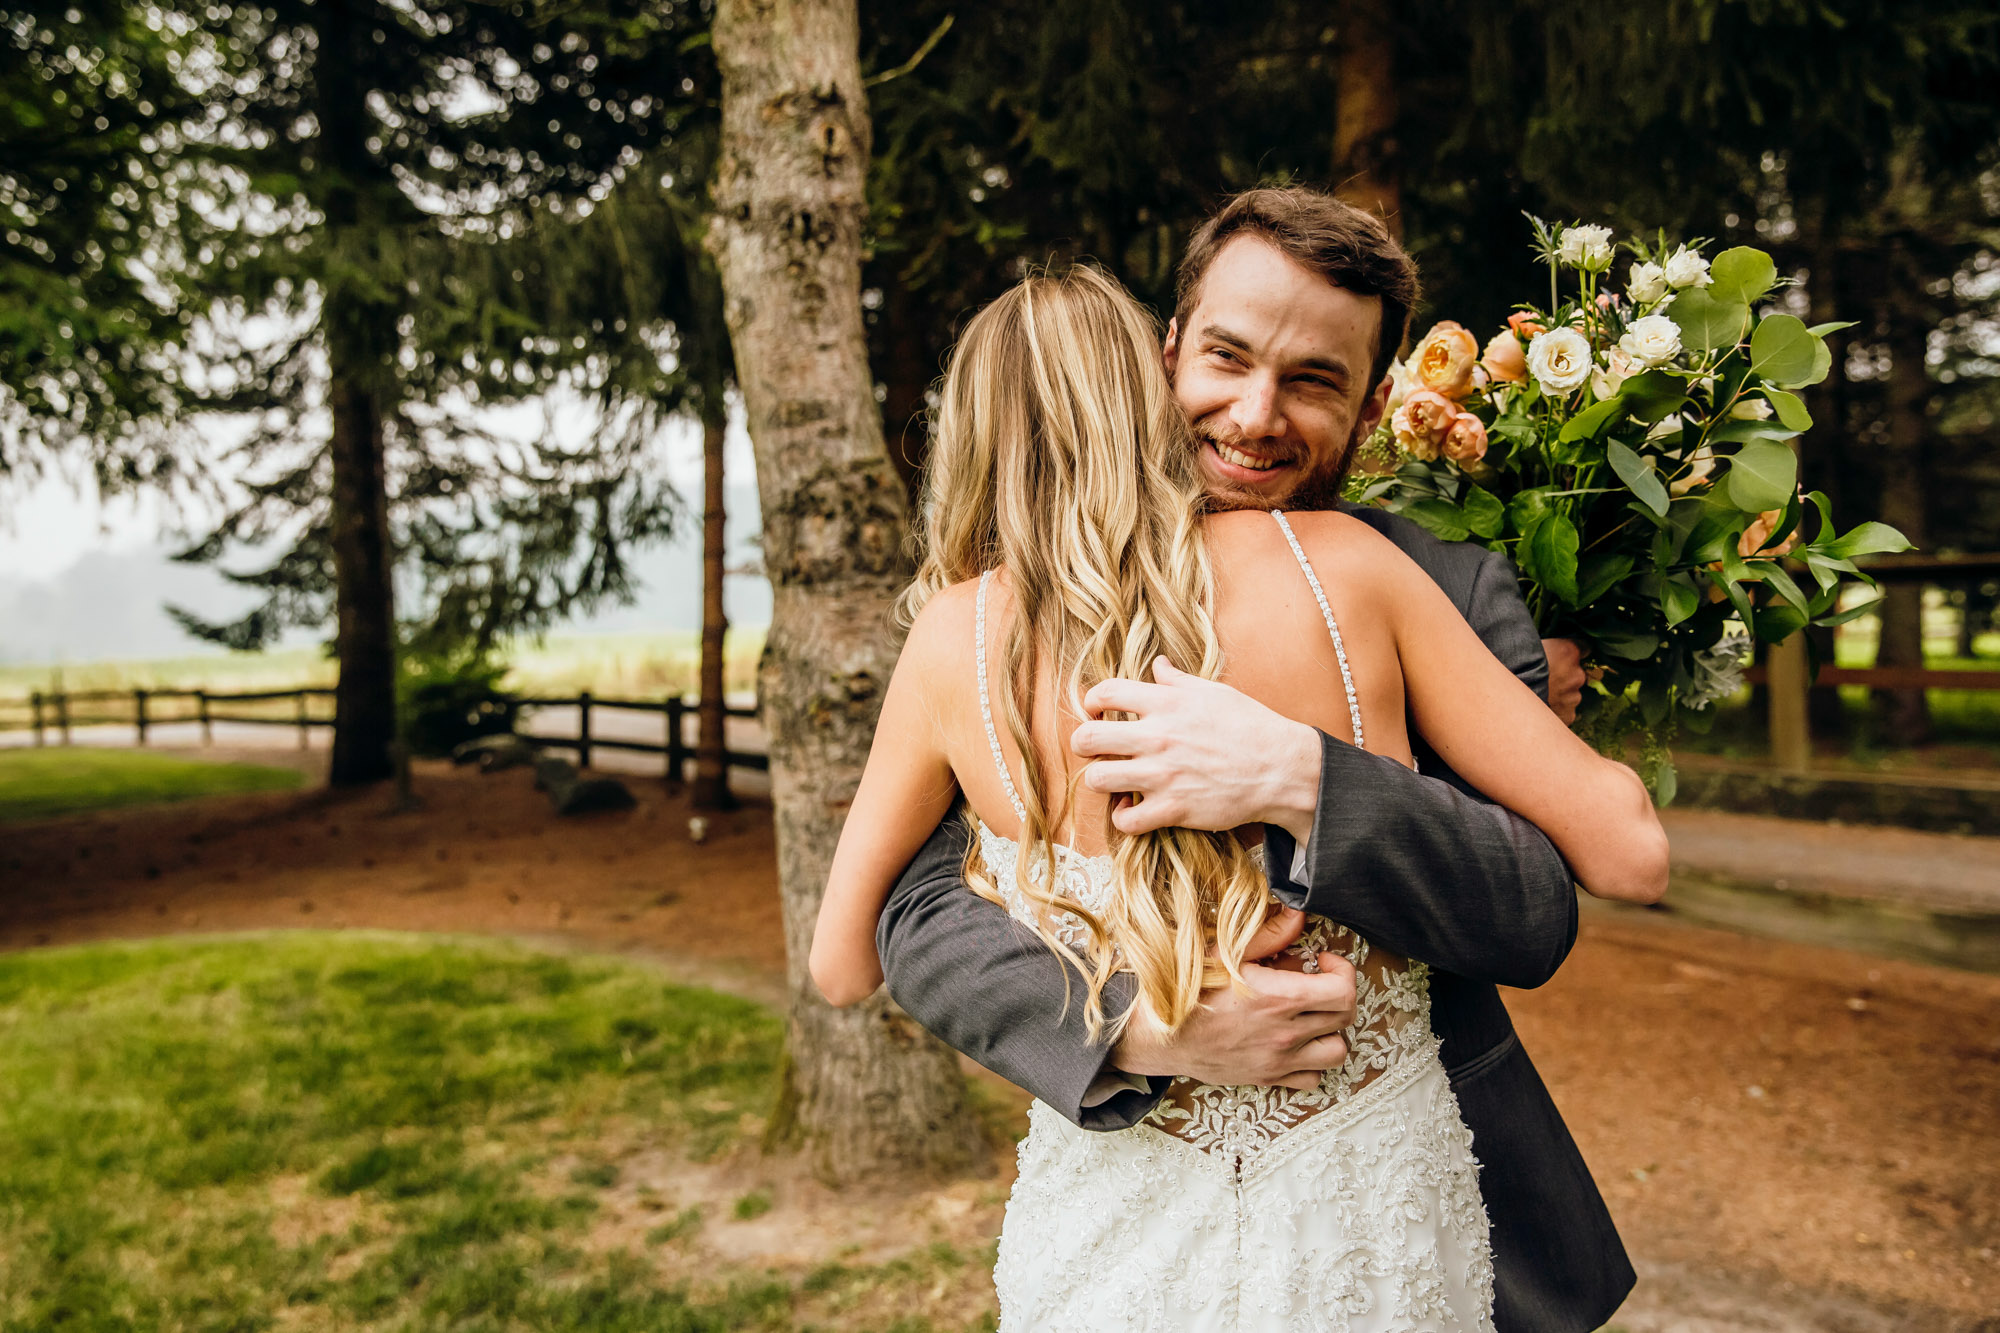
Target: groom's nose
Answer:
pixel 1254 412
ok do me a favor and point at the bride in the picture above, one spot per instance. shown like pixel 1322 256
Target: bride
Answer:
pixel 1065 543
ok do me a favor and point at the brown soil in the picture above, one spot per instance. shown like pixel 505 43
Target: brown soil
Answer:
pixel 1774 1125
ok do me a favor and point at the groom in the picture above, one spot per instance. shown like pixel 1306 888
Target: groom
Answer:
pixel 1291 307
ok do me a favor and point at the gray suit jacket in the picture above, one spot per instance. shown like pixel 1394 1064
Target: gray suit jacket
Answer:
pixel 1415 862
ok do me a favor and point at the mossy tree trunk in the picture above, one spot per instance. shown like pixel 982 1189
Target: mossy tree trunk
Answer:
pixel 1365 163
pixel 868 1090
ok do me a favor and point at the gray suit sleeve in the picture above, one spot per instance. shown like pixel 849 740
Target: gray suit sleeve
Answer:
pixel 988 987
pixel 1423 864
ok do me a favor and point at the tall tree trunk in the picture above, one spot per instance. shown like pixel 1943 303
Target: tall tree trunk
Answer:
pixel 1366 165
pixel 364 699
pixel 711 764
pixel 868 1089
pixel 1905 713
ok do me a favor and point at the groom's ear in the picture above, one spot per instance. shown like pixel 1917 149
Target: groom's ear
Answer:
pixel 1170 349
pixel 1373 409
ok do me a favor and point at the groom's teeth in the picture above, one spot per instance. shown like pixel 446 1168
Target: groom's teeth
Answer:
pixel 1244 460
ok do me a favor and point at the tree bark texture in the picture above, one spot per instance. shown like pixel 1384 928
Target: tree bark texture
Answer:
pixel 1905 713
pixel 364 699
pixel 711 763
pixel 868 1089
pixel 1366 165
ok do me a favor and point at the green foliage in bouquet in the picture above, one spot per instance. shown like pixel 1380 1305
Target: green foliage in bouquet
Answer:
pixel 1631 451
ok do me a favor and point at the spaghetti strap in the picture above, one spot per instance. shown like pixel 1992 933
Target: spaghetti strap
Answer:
pixel 986 704
pixel 1326 612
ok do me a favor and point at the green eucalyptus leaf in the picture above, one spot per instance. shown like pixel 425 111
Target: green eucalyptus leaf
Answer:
pixel 1762 476
pixel 1484 513
pixel 1441 518
pixel 1597 574
pixel 1831 326
pixel 1790 409
pixel 1706 322
pixel 1547 555
pixel 1822 365
pixel 1639 474
pixel 1586 424
pixel 1781 350
pixel 1736 432
pixel 1679 600
pixel 1630 645
pixel 1867 539
pixel 1741 275
pixel 1777 623
pixel 1851 613
pixel 1527 506
pixel 1781 583
pixel 1653 396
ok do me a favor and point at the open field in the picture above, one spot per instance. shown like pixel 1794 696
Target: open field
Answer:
pixel 1779 1128
pixel 644 666
pixel 38 783
pixel 369 1131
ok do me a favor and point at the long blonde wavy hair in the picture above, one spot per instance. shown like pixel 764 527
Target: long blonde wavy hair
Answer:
pixel 1058 452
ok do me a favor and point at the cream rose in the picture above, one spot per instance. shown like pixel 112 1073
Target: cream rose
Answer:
pixel 1686 268
pixel 1465 442
pixel 1444 360
pixel 1751 409
pixel 1619 367
pixel 1559 360
pixel 1504 360
pixel 1701 465
pixel 1399 386
pixel 1647 283
pixel 1585 248
pixel 1651 340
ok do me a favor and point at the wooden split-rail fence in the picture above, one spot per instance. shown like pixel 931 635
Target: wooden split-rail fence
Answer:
pixel 57 712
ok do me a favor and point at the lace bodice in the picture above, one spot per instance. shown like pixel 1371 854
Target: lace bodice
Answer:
pixel 1391 1021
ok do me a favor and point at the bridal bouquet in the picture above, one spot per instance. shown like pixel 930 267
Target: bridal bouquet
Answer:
pixel 1629 450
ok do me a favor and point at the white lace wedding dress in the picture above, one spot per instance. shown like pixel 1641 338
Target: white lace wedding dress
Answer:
pixel 1354 1207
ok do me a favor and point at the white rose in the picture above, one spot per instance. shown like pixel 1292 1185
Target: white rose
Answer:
pixel 1647 284
pixel 1751 409
pixel 1651 340
pixel 1686 268
pixel 1559 360
pixel 1585 247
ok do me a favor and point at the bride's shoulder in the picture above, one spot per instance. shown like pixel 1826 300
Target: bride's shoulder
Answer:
pixel 1331 539
pixel 943 631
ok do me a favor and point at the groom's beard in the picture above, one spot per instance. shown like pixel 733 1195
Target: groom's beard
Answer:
pixel 1318 489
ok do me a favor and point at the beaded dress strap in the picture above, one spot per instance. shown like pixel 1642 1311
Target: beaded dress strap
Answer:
pixel 986 704
pixel 1326 612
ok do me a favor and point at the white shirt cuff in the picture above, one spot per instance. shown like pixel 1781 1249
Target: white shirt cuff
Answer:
pixel 1112 1082
pixel 1299 861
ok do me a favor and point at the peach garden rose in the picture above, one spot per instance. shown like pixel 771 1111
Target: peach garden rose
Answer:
pixel 1444 360
pixel 1504 360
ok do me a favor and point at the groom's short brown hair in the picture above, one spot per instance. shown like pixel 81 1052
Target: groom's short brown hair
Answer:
pixel 1349 248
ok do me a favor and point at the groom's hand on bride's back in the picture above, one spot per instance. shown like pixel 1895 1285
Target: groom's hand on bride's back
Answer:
pixel 1282 1027
pixel 1198 754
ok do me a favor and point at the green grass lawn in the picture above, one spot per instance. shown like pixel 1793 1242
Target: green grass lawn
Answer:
pixel 346 1131
pixel 60 780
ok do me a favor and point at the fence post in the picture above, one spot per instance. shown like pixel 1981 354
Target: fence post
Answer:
pixel 35 698
pixel 676 744
pixel 583 730
pixel 305 724
pixel 201 711
pixel 62 714
pixel 139 713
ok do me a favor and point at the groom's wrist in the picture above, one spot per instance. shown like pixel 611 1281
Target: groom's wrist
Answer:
pixel 1292 798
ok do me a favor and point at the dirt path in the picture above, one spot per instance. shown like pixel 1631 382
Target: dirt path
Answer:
pixel 1790 1137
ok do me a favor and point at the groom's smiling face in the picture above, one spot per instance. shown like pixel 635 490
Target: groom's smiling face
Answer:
pixel 1272 366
